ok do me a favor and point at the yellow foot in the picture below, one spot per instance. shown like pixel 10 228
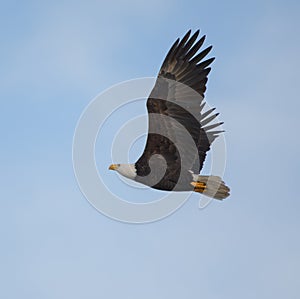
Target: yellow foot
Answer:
pixel 199 186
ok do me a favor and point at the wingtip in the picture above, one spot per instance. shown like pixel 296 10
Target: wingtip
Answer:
pixel 195 35
pixel 197 32
pixel 187 35
pixel 209 47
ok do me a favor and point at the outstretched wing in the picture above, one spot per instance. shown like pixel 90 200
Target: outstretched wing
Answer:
pixel 175 108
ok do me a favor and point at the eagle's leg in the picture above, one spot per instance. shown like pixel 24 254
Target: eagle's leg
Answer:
pixel 199 186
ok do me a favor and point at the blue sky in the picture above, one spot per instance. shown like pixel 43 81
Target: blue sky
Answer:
pixel 55 58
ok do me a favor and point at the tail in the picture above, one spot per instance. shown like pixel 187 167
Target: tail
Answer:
pixel 211 186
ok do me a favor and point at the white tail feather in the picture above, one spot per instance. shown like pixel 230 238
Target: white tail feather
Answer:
pixel 211 186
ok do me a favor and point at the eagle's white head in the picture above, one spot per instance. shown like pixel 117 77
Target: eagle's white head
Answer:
pixel 127 170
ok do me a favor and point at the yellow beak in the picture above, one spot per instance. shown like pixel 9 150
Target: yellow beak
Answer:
pixel 113 167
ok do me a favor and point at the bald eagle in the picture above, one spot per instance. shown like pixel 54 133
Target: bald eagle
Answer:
pixel 179 131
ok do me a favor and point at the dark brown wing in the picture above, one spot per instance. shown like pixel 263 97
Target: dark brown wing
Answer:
pixel 175 108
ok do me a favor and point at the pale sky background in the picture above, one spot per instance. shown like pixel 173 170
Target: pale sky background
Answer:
pixel 56 56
